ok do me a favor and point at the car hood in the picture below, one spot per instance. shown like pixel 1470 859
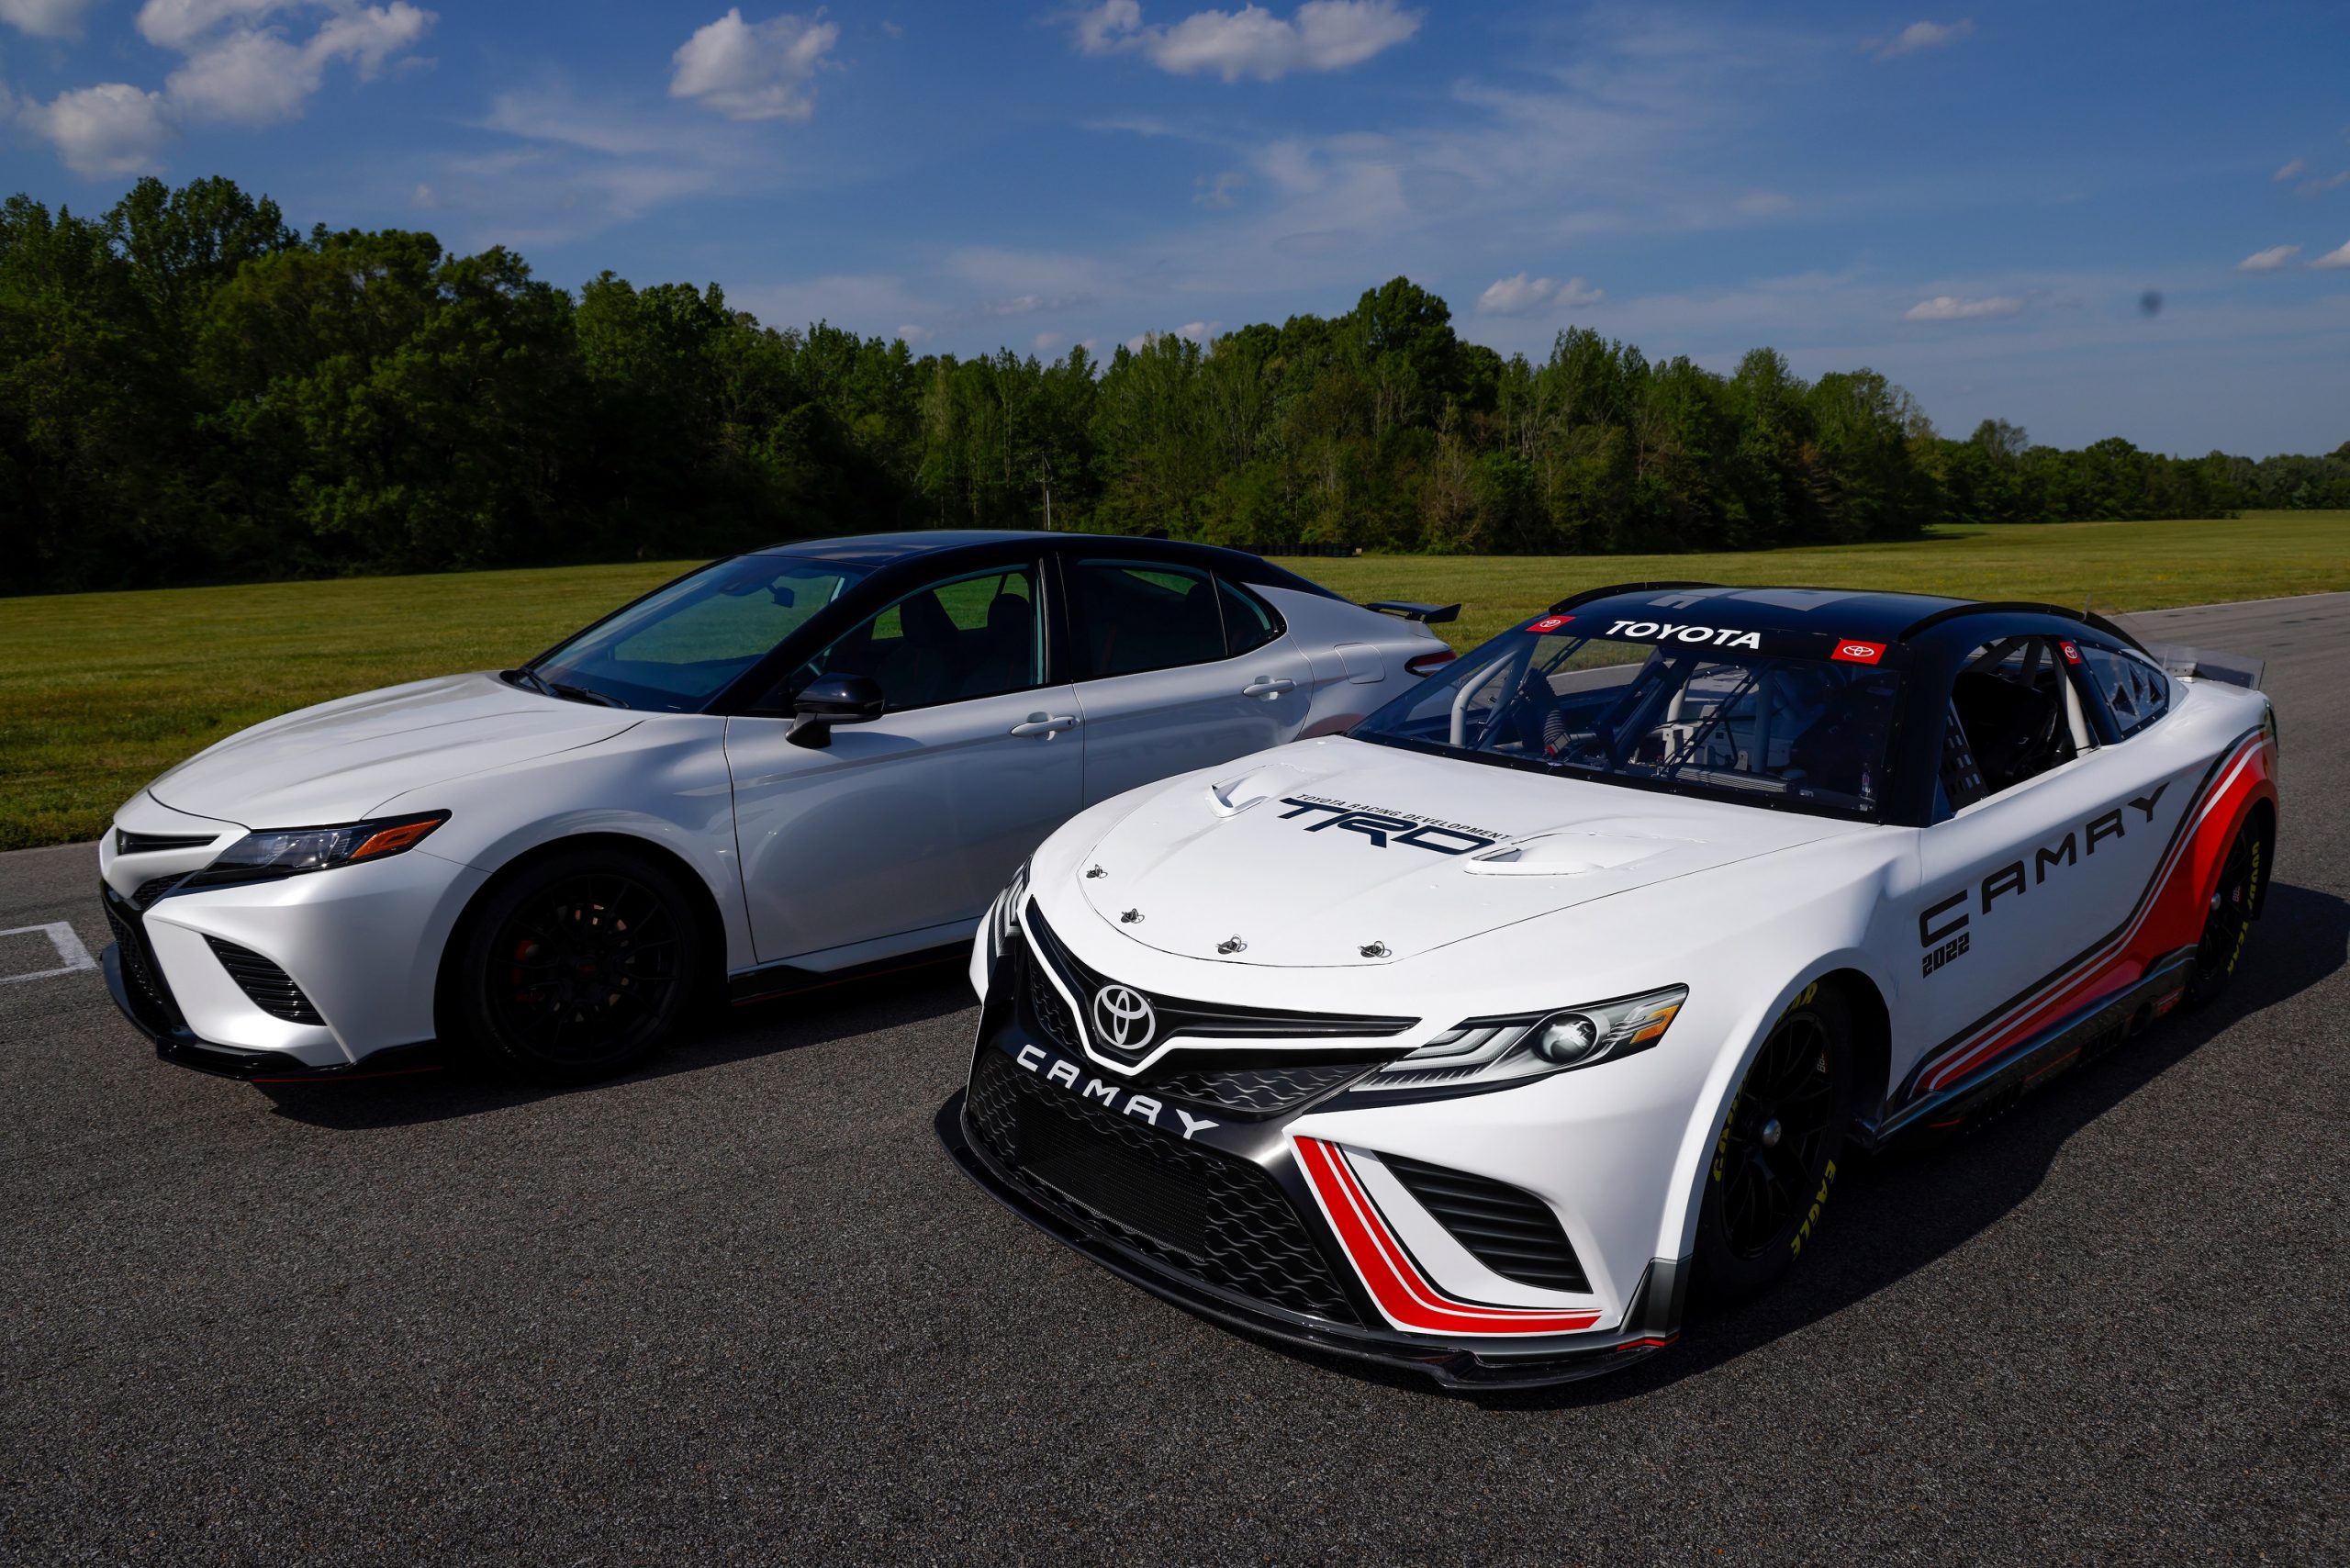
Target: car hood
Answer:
pixel 1340 852
pixel 338 762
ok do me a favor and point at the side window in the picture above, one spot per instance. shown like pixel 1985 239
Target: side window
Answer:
pixel 2135 692
pixel 1142 615
pixel 1248 622
pixel 971 637
pixel 2007 720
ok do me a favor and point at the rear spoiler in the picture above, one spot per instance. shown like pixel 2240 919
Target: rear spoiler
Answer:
pixel 1410 612
pixel 2202 663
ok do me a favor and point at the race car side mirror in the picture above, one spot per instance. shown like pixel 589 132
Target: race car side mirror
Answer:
pixel 832 700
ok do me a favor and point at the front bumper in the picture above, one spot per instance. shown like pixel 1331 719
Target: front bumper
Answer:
pixel 1651 1324
pixel 1246 1217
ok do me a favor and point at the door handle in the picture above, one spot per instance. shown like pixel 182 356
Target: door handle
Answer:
pixel 1268 690
pixel 1046 724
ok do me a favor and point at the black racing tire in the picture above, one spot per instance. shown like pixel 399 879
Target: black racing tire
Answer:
pixel 576 967
pixel 1775 1161
pixel 2227 923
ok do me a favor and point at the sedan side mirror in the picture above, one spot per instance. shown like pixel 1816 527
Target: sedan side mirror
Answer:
pixel 832 700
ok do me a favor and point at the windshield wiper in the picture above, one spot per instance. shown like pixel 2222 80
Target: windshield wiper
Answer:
pixel 582 694
pixel 529 678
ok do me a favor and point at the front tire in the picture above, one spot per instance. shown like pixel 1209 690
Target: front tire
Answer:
pixel 577 967
pixel 1775 1159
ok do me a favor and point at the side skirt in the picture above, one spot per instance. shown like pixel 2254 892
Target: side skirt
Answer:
pixel 2079 1037
pixel 790 979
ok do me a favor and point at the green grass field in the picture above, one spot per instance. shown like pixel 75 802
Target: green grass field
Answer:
pixel 99 692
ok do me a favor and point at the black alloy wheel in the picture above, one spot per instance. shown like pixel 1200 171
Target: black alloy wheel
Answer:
pixel 579 967
pixel 2228 921
pixel 1774 1161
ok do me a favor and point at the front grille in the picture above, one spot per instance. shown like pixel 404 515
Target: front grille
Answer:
pixel 1256 1093
pixel 129 843
pixel 1511 1232
pixel 1219 1218
pixel 1048 1013
pixel 154 888
pixel 141 976
pixel 1177 1016
pixel 268 987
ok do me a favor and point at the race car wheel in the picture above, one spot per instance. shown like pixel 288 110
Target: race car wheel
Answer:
pixel 1776 1159
pixel 578 967
pixel 2229 919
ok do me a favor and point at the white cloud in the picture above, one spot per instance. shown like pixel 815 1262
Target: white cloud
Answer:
pixel 1763 204
pixel 755 69
pixel 1951 307
pixel 1920 36
pixel 2290 170
pixel 1218 191
pixel 1199 332
pixel 111 129
pixel 1324 34
pixel 2332 182
pixel 2269 260
pixel 46 19
pixel 1523 295
pixel 2333 259
pixel 255 77
pixel 240 65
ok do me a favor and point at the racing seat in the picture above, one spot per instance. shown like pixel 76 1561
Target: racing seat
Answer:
pixel 2015 730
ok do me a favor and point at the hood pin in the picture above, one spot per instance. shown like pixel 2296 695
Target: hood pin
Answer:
pixel 1232 945
pixel 1375 949
pixel 1094 871
pixel 1132 918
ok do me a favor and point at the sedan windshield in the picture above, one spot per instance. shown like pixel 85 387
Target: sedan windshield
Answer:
pixel 1801 734
pixel 675 650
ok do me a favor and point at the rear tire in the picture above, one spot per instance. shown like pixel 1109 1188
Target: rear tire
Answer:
pixel 1775 1159
pixel 577 967
pixel 2228 923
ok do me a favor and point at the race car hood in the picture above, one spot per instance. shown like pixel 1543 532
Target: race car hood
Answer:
pixel 1340 852
pixel 338 761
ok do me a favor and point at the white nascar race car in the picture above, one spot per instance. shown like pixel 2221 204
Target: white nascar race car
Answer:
pixel 786 769
pixel 1476 1041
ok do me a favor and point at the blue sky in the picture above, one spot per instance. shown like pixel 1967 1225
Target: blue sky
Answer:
pixel 1983 201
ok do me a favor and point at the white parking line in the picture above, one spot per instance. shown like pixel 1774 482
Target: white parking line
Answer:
pixel 71 956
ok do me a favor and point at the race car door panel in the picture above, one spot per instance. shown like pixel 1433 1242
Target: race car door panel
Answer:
pixel 905 827
pixel 1178 671
pixel 2052 842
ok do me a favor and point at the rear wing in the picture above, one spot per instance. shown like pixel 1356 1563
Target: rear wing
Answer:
pixel 1429 613
pixel 2206 664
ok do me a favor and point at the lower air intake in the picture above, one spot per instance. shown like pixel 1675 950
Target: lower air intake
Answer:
pixel 268 987
pixel 1512 1232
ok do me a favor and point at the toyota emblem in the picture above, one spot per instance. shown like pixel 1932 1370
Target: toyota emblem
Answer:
pixel 1123 1018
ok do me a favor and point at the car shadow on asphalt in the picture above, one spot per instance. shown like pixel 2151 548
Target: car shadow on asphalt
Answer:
pixel 805 1021
pixel 1900 1212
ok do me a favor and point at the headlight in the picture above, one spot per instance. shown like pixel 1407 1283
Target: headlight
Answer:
pixel 1494 1053
pixel 266 853
pixel 1003 915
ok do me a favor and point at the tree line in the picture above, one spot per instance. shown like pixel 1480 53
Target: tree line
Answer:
pixel 190 390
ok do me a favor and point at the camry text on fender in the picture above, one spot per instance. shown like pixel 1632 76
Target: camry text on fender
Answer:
pixel 1475 1040
pixel 788 766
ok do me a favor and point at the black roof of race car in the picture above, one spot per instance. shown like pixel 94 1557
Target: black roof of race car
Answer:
pixel 1837 613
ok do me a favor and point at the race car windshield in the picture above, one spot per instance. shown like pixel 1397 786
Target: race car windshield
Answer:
pixel 675 649
pixel 1736 724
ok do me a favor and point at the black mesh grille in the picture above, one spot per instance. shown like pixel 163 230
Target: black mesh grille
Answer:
pixel 154 888
pixel 1048 1013
pixel 1511 1232
pixel 140 975
pixel 1254 1092
pixel 270 988
pixel 1209 1215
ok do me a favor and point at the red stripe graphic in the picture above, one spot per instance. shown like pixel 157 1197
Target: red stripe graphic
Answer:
pixel 1406 1295
pixel 2171 919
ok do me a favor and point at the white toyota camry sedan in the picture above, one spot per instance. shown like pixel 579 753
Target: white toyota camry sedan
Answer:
pixel 787 767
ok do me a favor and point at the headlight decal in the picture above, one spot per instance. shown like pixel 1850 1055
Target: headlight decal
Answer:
pixel 1492 1053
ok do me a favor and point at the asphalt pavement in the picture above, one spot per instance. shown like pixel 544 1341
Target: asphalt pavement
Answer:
pixel 739 1307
